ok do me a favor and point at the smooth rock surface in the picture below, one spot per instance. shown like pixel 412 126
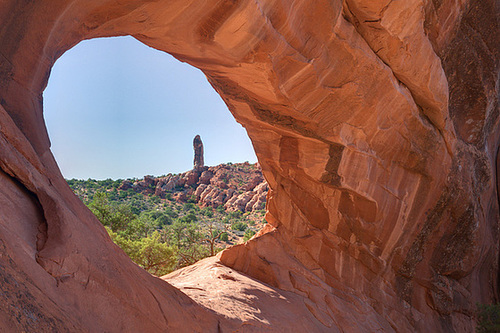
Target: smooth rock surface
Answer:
pixel 376 124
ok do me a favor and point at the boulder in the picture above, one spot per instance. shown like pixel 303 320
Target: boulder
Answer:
pixel 125 185
pixel 205 177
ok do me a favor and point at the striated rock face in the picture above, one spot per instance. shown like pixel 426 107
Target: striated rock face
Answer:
pixel 376 124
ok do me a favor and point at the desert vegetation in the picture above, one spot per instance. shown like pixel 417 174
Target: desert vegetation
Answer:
pixel 164 234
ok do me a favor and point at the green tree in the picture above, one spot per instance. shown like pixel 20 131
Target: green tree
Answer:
pixel 187 238
pixel 117 217
pixel 212 235
pixel 142 226
pixel 149 252
pixel 156 257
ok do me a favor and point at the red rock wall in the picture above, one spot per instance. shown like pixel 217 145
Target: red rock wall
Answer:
pixel 376 126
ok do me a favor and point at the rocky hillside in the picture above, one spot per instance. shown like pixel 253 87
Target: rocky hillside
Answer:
pixel 183 217
pixel 236 187
pixel 198 212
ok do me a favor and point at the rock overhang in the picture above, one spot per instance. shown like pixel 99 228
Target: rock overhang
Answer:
pixel 379 153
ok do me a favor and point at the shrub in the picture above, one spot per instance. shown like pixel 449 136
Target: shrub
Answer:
pixel 156 200
pixel 248 234
pixel 207 211
pixel 190 217
pixel 220 209
pixel 235 215
pixel 488 318
pixel 163 219
pixel 188 206
pixel 241 226
pixel 170 212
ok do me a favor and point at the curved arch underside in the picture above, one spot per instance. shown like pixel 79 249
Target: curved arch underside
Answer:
pixel 376 124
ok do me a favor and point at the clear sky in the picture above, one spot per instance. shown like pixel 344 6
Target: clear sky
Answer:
pixel 116 108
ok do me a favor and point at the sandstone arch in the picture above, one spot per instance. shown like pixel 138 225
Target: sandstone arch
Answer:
pixel 375 122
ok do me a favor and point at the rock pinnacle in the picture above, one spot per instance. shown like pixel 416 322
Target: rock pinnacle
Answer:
pixel 198 153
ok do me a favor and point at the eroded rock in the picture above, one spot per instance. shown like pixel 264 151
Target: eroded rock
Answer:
pixel 198 162
pixel 376 124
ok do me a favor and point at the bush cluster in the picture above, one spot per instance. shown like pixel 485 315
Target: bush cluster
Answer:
pixel 161 235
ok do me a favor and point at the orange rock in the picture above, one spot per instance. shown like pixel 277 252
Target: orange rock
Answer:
pixel 376 124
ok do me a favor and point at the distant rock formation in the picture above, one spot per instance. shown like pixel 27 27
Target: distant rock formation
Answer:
pixel 239 186
pixel 198 154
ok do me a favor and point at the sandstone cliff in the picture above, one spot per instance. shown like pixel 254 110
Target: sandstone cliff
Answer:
pixel 376 124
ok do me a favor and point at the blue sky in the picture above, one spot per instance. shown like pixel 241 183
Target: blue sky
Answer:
pixel 116 108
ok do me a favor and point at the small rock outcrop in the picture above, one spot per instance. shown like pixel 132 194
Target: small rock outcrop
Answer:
pixel 239 186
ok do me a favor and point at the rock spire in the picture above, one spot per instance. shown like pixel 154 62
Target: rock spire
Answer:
pixel 198 154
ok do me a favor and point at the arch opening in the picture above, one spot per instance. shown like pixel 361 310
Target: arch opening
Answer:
pixel 121 118
pixel 116 108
